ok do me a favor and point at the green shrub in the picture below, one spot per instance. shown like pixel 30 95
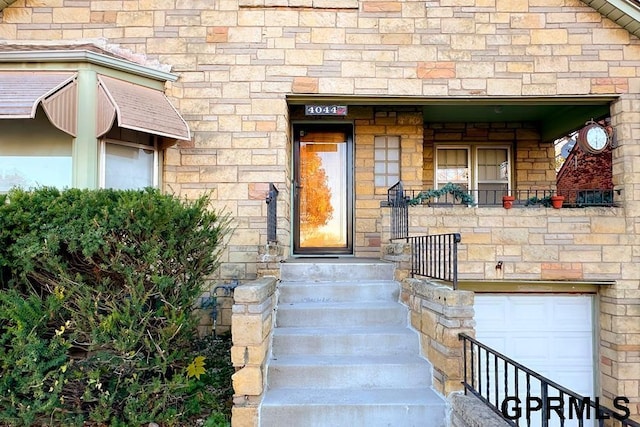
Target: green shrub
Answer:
pixel 97 290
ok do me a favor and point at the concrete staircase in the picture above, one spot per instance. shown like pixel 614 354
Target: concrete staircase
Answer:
pixel 342 353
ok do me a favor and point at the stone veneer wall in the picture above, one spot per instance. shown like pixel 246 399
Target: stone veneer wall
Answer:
pixel 439 314
pixel 620 304
pixel 252 326
pixel 534 243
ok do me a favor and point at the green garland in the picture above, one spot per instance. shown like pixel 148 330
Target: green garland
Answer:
pixel 455 190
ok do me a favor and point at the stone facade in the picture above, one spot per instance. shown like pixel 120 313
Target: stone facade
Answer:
pixel 240 62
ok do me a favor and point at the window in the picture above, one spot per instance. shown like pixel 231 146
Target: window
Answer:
pixel 44 159
pixel 32 170
pixel 453 166
pixel 482 170
pixel 127 165
pixel 386 160
pixel 493 174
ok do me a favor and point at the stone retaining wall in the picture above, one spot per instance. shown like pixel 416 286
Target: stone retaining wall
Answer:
pixel 439 314
pixel 469 411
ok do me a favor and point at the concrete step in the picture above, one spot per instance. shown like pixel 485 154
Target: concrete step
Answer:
pixel 370 290
pixel 344 340
pixel 342 352
pixel 349 372
pixel 340 271
pixel 409 407
pixel 309 314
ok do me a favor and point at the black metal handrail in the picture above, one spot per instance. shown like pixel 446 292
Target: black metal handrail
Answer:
pixel 272 214
pixel 397 200
pixel 515 392
pixel 435 256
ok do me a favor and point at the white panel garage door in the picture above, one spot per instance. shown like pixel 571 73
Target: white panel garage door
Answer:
pixel 551 334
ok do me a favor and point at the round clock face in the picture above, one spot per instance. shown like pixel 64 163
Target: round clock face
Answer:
pixel 593 138
pixel 597 138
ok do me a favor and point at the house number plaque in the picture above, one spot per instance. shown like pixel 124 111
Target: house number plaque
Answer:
pixel 325 110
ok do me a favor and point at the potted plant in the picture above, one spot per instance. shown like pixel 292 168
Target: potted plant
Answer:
pixel 507 201
pixel 556 201
pixel 546 201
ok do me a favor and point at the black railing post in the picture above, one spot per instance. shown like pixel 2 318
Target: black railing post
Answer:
pixel 454 268
pixel 272 214
pixel 399 211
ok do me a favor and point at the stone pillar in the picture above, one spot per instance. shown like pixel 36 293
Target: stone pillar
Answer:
pixel 251 328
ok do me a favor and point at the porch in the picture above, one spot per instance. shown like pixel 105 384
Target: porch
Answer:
pixel 530 245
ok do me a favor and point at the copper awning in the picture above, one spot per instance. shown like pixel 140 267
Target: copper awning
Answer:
pixel 138 108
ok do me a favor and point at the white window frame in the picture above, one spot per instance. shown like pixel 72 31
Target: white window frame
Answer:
pixel 472 160
pixel 477 148
pixel 103 151
pixel 452 147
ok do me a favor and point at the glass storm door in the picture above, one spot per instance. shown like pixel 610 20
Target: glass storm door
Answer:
pixel 322 189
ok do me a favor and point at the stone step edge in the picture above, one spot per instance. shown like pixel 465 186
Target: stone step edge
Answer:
pixel 338 331
pixel 341 361
pixel 377 397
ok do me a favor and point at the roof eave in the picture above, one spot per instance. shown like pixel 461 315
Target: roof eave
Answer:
pixel 95 58
pixel 625 13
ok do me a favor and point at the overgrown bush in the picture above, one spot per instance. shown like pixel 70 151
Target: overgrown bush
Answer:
pixel 97 289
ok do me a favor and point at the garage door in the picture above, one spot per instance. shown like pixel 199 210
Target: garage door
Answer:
pixel 551 334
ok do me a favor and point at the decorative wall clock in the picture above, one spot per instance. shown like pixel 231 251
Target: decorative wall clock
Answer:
pixel 593 138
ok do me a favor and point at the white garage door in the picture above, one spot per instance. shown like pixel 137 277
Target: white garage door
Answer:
pixel 551 334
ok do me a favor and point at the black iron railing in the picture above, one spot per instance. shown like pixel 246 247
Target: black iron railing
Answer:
pixel 573 198
pixel 523 397
pixel 397 200
pixel 272 214
pixel 435 256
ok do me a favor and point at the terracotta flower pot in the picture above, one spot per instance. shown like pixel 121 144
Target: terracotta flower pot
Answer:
pixel 556 201
pixel 507 201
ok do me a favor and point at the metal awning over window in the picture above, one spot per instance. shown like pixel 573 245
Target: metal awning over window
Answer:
pixel 22 91
pixel 134 106
pixel 138 108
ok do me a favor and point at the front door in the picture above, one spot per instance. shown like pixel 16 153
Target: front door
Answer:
pixel 322 190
